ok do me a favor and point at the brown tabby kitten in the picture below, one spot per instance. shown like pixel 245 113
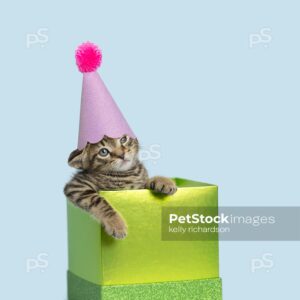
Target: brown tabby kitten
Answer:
pixel 111 164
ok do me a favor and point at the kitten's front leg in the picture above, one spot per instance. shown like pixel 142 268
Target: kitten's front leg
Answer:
pixel 162 185
pixel 88 199
pixel 112 222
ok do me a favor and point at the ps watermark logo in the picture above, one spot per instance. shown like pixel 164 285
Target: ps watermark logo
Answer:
pixel 39 263
pixel 152 153
pixel 264 263
pixel 263 37
pixel 39 38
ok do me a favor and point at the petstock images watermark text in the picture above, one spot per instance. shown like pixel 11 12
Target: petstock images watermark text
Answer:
pixel 231 223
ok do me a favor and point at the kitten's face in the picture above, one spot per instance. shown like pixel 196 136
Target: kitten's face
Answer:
pixel 109 155
pixel 116 154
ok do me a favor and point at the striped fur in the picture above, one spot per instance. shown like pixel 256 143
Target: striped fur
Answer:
pixel 111 164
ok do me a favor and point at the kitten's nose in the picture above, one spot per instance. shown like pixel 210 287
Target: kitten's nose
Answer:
pixel 122 156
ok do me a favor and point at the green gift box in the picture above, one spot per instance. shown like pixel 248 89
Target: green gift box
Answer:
pixel 142 266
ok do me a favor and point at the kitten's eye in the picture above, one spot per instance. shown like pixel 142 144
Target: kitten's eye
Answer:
pixel 123 140
pixel 103 152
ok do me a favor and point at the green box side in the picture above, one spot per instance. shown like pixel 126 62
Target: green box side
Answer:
pixel 142 257
pixel 84 244
pixel 205 289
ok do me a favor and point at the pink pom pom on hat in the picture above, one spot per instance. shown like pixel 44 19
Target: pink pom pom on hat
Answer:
pixel 99 114
pixel 88 57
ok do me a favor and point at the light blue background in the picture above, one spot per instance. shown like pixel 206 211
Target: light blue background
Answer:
pixel 187 79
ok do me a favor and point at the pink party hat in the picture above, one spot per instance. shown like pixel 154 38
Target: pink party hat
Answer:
pixel 99 114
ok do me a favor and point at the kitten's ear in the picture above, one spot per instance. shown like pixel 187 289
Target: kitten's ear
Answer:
pixel 137 143
pixel 75 159
pixel 79 159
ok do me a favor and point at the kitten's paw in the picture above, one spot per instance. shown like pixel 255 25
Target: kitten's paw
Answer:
pixel 162 185
pixel 116 227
